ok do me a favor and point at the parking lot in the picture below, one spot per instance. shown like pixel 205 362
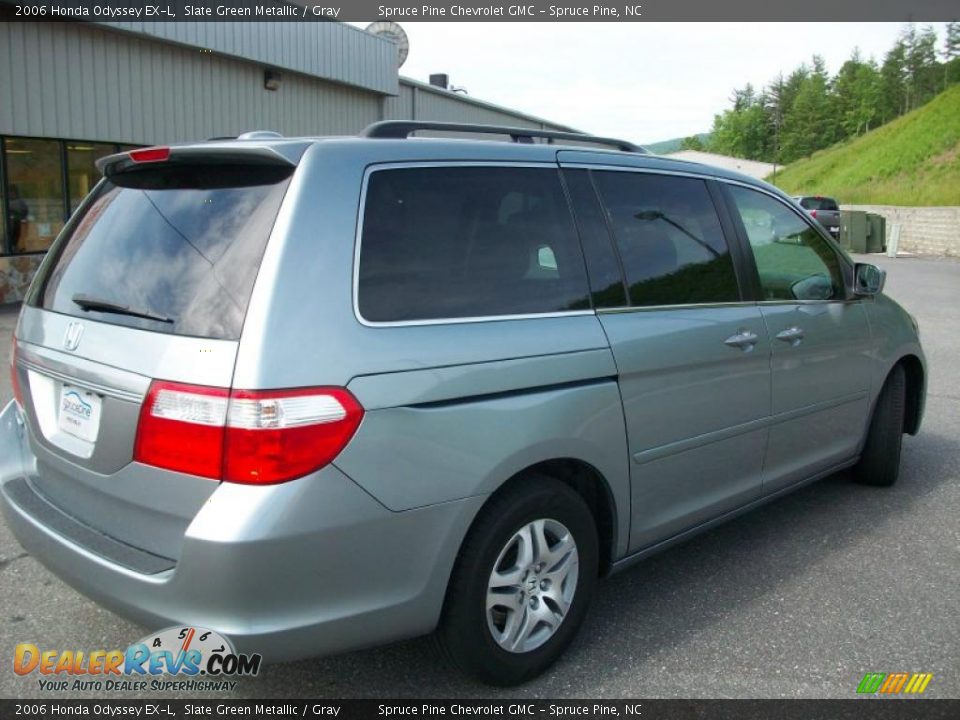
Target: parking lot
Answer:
pixel 797 599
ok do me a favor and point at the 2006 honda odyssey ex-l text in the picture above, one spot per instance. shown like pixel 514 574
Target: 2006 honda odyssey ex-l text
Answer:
pixel 324 393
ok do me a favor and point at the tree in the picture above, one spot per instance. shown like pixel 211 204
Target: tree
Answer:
pixel 923 70
pixel 809 125
pixel 951 54
pixel 692 143
pixel 855 92
pixel 744 130
pixel 893 82
pixel 952 41
pixel 796 115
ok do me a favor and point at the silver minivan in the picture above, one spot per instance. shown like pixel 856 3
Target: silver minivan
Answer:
pixel 318 394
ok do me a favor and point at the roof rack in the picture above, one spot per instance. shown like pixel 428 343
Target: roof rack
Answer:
pixel 401 129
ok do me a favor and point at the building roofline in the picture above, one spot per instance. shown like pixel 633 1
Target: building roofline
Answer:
pixel 547 124
pixel 287 46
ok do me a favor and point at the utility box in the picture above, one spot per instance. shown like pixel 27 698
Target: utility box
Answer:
pixel 853 230
pixel 876 233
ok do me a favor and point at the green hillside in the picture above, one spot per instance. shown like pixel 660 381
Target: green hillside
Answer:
pixel 913 160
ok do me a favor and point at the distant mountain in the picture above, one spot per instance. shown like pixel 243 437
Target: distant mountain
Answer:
pixel 668 146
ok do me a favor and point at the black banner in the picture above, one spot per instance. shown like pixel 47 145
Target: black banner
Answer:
pixel 476 10
pixel 854 709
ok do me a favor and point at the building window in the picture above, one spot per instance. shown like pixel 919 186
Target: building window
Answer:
pixel 35 201
pixel 82 173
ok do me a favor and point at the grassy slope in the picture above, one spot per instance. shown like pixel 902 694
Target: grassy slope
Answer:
pixel 914 160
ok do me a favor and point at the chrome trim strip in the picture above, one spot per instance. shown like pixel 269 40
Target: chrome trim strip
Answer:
pixel 85 384
pixel 679 173
pixel 645 456
pixel 640 169
pixel 45 361
pixel 745 303
pixel 679 306
pixel 838 301
pixel 438 321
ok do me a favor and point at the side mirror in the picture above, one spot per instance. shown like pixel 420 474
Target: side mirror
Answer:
pixel 868 280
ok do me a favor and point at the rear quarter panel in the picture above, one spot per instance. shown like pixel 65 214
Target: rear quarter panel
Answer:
pixel 452 410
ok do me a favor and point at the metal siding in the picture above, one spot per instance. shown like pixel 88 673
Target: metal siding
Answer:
pixel 276 44
pixel 6 82
pixel 76 82
pixel 79 81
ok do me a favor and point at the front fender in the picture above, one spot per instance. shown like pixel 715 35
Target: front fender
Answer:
pixel 895 340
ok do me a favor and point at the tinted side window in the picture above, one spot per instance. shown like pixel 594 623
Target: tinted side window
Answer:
pixel 793 260
pixel 457 242
pixel 606 278
pixel 670 239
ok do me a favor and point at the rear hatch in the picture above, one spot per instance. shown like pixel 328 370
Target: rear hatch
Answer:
pixel 150 280
pixel 825 210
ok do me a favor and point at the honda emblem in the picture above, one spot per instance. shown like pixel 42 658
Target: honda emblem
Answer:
pixel 72 337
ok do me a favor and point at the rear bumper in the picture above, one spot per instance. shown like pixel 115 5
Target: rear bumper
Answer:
pixel 310 567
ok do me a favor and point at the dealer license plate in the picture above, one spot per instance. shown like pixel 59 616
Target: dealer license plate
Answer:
pixel 79 413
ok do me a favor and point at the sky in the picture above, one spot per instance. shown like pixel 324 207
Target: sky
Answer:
pixel 643 82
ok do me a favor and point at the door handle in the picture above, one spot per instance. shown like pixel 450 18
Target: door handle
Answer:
pixel 792 335
pixel 744 339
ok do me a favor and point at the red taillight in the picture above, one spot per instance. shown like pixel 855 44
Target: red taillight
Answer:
pixel 14 378
pixel 277 435
pixel 244 436
pixel 182 428
pixel 147 155
pixel 813 214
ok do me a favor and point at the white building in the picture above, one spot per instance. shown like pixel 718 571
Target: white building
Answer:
pixel 753 168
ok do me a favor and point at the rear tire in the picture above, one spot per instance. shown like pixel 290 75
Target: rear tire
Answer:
pixel 879 464
pixel 522 583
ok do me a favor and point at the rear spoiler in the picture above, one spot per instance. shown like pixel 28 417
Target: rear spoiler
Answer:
pixel 285 156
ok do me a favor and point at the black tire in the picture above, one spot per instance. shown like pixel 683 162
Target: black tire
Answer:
pixel 464 633
pixel 879 464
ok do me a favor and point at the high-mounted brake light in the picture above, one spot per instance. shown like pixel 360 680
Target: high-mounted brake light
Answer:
pixel 244 436
pixel 14 378
pixel 152 154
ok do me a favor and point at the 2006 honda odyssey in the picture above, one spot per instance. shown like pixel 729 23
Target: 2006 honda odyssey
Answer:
pixel 323 393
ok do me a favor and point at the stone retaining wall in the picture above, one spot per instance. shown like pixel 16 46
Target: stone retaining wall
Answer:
pixel 923 230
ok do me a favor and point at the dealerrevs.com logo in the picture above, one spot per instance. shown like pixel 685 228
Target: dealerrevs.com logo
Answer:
pixel 201 659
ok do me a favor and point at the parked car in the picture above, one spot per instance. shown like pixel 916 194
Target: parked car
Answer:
pixel 824 210
pixel 318 394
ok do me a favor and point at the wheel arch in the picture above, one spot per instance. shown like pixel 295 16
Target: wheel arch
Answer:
pixel 586 481
pixel 916 392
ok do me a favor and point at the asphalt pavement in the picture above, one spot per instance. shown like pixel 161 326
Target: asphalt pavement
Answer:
pixel 797 599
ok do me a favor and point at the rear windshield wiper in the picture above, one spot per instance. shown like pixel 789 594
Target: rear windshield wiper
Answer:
pixel 105 306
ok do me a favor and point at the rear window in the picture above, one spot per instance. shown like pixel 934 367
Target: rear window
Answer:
pixel 818 203
pixel 176 252
pixel 466 242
